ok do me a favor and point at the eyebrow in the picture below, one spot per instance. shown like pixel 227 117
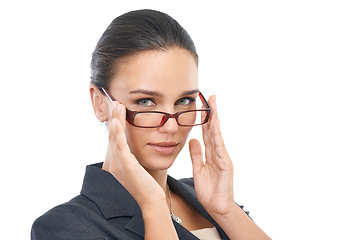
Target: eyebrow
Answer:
pixel 191 92
pixel 159 94
pixel 146 92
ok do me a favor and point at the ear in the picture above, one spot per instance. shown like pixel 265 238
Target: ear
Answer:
pixel 99 103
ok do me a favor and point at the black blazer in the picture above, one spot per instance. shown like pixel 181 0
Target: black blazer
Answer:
pixel 106 210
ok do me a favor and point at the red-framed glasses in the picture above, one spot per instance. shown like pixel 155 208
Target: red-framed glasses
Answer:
pixel 197 115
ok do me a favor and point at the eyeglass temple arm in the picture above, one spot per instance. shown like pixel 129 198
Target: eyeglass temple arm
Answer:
pixel 204 100
pixel 129 114
pixel 108 94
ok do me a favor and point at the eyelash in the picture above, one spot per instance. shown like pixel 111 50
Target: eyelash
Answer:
pixel 139 101
pixel 191 100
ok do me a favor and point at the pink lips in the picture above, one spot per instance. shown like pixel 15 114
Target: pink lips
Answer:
pixel 164 148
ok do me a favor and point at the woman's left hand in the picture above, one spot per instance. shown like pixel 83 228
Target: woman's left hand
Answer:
pixel 213 179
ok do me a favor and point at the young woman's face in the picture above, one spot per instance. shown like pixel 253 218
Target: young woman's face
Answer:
pixel 156 81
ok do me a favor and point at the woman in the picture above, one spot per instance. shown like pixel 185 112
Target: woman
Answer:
pixel 145 87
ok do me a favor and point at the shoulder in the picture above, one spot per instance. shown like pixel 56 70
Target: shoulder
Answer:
pixel 61 222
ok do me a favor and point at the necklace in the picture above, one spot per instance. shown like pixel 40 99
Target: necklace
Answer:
pixel 175 218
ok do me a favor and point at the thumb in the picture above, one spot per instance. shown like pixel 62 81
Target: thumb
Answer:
pixel 196 155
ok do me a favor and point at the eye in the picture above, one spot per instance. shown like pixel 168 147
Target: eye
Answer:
pixel 147 102
pixel 185 101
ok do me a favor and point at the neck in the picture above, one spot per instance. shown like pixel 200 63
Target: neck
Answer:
pixel 160 177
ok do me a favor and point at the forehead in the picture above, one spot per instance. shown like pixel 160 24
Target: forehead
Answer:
pixel 169 72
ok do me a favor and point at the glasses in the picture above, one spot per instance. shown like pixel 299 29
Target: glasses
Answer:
pixel 198 115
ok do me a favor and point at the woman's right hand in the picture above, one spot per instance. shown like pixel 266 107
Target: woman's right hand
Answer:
pixel 149 195
pixel 123 165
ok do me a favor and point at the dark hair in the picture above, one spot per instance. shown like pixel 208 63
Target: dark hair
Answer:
pixel 133 32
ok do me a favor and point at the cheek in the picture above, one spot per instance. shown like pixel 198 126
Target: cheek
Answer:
pixel 186 131
pixel 136 137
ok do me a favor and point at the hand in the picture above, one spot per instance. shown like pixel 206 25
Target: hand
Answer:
pixel 213 179
pixel 123 165
pixel 149 195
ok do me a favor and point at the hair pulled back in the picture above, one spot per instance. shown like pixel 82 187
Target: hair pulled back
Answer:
pixel 133 32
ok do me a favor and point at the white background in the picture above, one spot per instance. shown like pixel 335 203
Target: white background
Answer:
pixel 275 67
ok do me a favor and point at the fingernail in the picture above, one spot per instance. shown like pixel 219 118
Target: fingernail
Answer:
pixel 114 105
pixel 114 122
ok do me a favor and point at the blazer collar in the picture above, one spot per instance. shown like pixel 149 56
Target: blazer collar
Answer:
pixel 114 200
pixel 111 197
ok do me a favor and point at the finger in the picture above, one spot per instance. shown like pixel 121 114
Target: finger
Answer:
pixel 206 140
pixel 213 115
pixel 112 146
pixel 214 118
pixel 207 128
pixel 122 115
pixel 213 104
pixel 118 116
pixel 196 155
pixel 218 141
pixel 222 159
pixel 114 107
pixel 121 141
pixel 112 131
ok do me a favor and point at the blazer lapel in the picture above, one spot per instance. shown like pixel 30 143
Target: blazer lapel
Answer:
pixel 112 198
pixel 115 201
pixel 136 224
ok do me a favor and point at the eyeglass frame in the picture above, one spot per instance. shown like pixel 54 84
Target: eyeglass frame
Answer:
pixel 130 115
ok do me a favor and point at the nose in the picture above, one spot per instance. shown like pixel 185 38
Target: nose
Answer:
pixel 171 126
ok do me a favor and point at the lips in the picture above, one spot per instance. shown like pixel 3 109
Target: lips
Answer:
pixel 164 148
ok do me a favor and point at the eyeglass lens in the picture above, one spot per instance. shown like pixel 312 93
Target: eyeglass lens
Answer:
pixel 152 119
pixel 191 114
